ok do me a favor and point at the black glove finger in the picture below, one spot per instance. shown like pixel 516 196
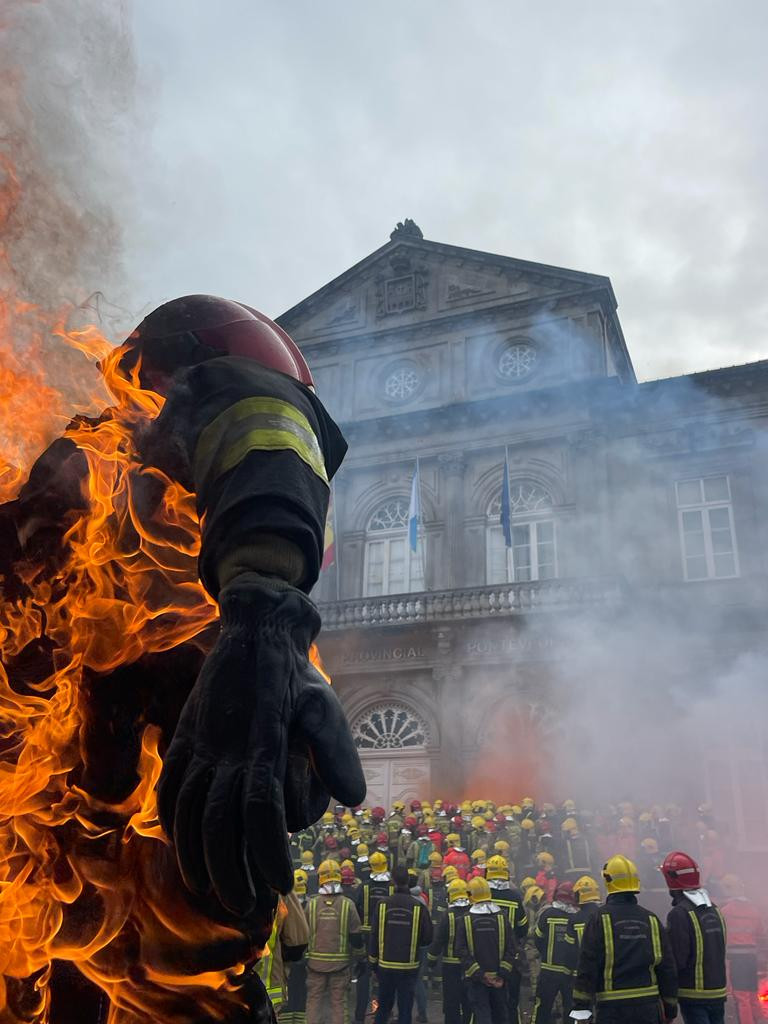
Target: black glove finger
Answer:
pixel 171 779
pixel 266 836
pixel 188 827
pixel 223 842
pixel 304 795
pixel 321 723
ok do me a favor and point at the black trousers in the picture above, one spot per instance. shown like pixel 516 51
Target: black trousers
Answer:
pixel 363 993
pixel 512 989
pixel 629 1012
pixel 695 1012
pixel 489 1005
pixel 456 1009
pixel 551 983
pixel 400 985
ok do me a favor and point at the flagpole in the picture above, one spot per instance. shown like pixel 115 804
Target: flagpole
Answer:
pixel 509 504
pixel 423 552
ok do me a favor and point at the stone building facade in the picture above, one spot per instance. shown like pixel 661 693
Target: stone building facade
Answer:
pixel 638 556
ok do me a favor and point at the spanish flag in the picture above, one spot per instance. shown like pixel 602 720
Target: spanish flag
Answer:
pixel 329 553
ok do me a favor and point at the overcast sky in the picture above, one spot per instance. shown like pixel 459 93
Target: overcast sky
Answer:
pixel 285 139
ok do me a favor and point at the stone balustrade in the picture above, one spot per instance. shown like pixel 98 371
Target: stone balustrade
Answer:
pixel 484 602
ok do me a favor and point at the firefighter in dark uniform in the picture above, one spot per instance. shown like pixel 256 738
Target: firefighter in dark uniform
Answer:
pixel 449 922
pixel 587 892
pixel 557 949
pixel 698 938
pixel 253 739
pixel 401 928
pixel 371 892
pixel 510 899
pixel 626 971
pixel 576 855
pixel 486 948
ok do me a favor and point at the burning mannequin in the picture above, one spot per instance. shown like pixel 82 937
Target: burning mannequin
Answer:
pixel 114 676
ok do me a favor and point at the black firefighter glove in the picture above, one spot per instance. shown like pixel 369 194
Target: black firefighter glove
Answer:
pixel 261 745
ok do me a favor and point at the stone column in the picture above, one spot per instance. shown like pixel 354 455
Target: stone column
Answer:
pixel 449 769
pixel 452 469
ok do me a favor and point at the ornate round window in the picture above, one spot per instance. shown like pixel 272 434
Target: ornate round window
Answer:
pixel 402 383
pixel 390 727
pixel 517 361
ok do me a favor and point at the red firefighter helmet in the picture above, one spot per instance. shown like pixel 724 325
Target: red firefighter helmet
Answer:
pixel 195 328
pixel 415 805
pixel 378 813
pixel 564 893
pixel 382 839
pixel 457 822
pixel 680 871
pixel 500 819
pixel 347 876
pixel 490 827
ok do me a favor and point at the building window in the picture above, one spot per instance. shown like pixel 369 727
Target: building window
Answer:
pixel 517 361
pixel 390 565
pixel 389 727
pixel 402 382
pixel 533 555
pixel 705 520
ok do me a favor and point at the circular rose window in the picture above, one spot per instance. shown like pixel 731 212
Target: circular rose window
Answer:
pixel 402 383
pixel 517 361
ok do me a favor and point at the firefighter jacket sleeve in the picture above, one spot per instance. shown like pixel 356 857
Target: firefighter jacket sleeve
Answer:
pixel 698 939
pixel 294 934
pixel 440 936
pixel 625 958
pixel 261 743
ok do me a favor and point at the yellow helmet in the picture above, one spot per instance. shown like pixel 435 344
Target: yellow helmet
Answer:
pixel 569 806
pixel 453 839
pixel 587 890
pixel 328 872
pixel 620 875
pixel 450 873
pixel 646 818
pixel 527 803
pixel 398 806
pixel 527 883
pixel 479 890
pixel 307 857
pixel 570 825
pixel 353 832
pixel 378 862
pixel 429 821
pixel 479 855
pixel 650 845
pixel 328 818
pixel 348 864
pixel 457 890
pixel 438 805
pixel 545 859
pixel 478 821
pixel 362 850
pixel 466 807
pixel 478 805
pixel 534 895
pixel 528 824
pixel 501 846
pixel 300 882
pixel 517 810
pixel 435 859
pixel 347 818
pixel 496 867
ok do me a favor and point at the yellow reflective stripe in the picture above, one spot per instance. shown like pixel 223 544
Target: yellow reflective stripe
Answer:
pixel 501 930
pixel 581 996
pixel 366 908
pixel 557 969
pixel 344 920
pixel 382 925
pixel 451 934
pixel 699 940
pixel 256 424
pixel 472 969
pixel 628 993
pixel 707 993
pixel 609 954
pixel 415 933
pixel 470 936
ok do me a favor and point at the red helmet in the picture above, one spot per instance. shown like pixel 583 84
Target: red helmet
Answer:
pixel 410 822
pixel 681 872
pixel 415 805
pixel 195 328
pixel 500 819
pixel 382 839
pixel 564 893
pixel 345 853
pixel 331 842
pixel 457 821
pixel 347 876
pixel 490 827
pixel 422 830
pixel 378 813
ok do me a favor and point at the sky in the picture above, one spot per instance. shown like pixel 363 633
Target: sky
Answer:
pixel 273 145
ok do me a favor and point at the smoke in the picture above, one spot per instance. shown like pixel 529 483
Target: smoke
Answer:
pixel 67 141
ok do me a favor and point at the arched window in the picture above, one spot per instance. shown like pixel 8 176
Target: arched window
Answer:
pixel 390 727
pixel 533 554
pixel 390 565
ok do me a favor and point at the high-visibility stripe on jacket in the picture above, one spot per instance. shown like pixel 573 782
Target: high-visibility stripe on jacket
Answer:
pixel 265 968
pixel 486 944
pixel 625 956
pixel 556 946
pixel 402 924
pixel 340 954
pixel 444 944
pixel 698 937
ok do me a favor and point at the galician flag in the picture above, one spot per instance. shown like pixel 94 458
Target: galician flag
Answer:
pixel 414 509
pixel 506 508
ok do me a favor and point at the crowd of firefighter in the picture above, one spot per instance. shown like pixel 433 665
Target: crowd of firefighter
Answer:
pixel 511 913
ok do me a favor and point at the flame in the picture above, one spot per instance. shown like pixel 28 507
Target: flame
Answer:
pixel 83 879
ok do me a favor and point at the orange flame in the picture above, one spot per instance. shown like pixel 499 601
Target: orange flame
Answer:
pixel 80 879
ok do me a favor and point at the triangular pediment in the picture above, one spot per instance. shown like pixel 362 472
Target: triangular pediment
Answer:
pixel 413 279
